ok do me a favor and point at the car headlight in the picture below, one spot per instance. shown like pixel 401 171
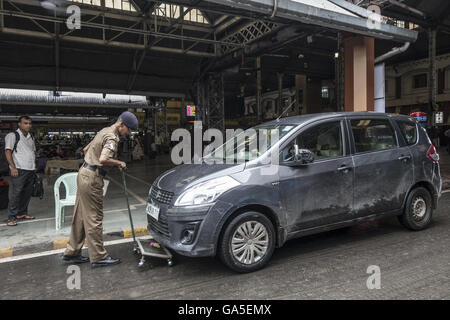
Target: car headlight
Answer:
pixel 206 192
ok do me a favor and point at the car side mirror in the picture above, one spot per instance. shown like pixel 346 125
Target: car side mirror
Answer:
pixel 303 156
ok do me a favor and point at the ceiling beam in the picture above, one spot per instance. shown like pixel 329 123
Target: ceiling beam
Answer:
pixel 301 12
pixel 118 44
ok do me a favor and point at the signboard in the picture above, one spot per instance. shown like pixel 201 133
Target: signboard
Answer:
pixel 173 119
pixel 420 116
pixel 190 111
pixel 439 117
pixel 140 117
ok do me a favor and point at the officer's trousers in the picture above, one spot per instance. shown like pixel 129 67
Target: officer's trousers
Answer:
pixel 88 217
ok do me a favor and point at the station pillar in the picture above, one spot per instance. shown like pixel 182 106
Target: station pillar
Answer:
pixel 359 55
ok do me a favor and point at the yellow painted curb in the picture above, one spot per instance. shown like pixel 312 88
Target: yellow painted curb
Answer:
pixel 60 243
pixel 6 252
pixel 137 231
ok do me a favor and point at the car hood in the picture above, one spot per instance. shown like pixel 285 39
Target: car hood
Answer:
pixel 180 178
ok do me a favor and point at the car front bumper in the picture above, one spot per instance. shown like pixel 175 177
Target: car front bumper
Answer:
pixel 203 222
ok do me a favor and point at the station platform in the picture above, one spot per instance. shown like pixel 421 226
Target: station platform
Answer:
pixel 40 234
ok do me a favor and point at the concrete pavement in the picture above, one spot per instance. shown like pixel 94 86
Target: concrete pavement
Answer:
pixel 331 265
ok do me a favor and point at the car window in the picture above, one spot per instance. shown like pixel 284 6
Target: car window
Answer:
pixel 409 131
pixel 373 135
pixel 324 140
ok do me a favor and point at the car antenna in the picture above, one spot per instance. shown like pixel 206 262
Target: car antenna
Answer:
pixel 284 111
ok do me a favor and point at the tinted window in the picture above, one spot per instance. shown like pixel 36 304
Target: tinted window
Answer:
pixel 409 131
pixel 324 140
pixel 373 135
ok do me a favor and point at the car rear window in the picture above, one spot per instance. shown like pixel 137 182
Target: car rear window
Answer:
pixel 373 135
pixel 409 131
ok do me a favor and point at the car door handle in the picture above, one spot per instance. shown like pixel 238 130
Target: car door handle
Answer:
pixel 344 169
pixel 404 158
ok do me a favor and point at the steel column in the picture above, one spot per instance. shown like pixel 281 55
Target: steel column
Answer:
pixel 211 102
pixel 280 93
pixel 340 74
pixel 432 76
pixel 57 55
pixel 2 21
pixel 258 90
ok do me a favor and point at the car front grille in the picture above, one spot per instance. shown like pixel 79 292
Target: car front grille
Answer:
pixel 160 195
pixel 159 226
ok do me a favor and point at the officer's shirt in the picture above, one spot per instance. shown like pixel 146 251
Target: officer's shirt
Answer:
pixel 105 142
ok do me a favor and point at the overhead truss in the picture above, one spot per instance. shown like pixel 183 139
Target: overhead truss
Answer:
pixel 186 37
pixel 247 34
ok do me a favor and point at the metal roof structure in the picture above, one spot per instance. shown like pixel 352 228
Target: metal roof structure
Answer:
pixel 145 53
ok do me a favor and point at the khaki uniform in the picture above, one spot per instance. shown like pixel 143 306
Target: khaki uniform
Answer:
pixel 88 212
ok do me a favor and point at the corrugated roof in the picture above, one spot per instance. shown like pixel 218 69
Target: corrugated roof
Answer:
pixel 325 4
pixel 65 97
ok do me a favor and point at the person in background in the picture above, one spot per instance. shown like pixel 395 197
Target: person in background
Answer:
pixel 447 134
pixel 153 151
pixel 158 143
pixel 20 151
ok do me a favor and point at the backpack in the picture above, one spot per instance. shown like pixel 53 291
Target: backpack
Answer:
pixel 38 187
pixel 4 165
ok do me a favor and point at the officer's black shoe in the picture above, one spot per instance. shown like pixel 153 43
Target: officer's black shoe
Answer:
pixel 108 261
pixel 74 259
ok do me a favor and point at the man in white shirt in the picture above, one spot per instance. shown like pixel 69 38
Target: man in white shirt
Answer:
pixel 21 156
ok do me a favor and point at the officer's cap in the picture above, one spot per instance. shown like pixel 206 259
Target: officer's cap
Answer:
pixel 129 119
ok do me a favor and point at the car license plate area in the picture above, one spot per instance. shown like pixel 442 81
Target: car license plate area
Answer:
pixel 153 211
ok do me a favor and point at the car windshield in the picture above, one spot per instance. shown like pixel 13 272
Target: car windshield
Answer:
pixel 249 144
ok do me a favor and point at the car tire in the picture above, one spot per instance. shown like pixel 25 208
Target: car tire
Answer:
pixel 418 210
pixel 250 255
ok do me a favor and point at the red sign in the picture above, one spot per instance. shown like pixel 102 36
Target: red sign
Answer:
pixel 418 114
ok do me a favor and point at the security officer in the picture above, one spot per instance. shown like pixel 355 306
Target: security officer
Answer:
pixel 88 211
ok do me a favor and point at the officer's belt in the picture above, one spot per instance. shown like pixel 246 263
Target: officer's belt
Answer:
pixel 95 168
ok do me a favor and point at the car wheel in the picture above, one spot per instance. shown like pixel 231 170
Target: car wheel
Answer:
pixel 248 242
pixel 418 210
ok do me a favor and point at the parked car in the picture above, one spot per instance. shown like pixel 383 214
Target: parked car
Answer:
pixel 335 170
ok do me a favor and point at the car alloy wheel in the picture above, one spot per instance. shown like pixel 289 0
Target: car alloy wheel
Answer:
pixel 250 242
pixel 419 208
